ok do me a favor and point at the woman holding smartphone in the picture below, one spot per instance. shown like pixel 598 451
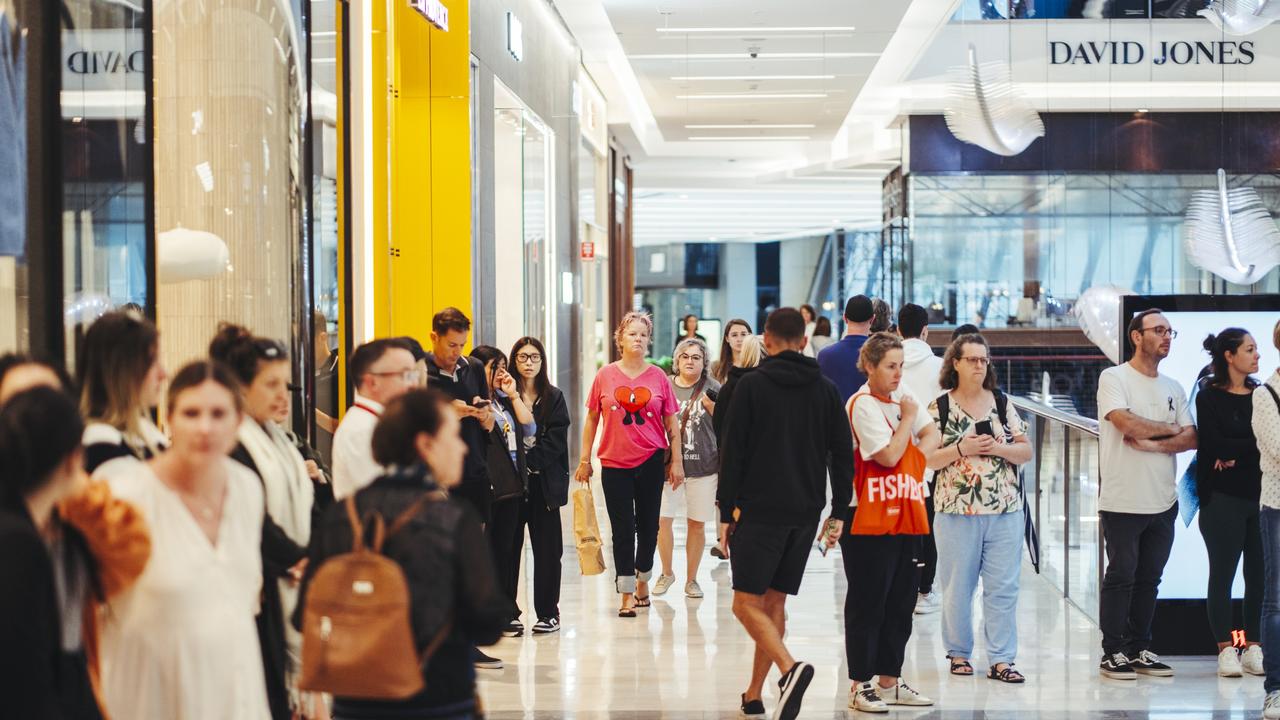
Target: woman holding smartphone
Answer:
pixel 513 433
pixel 978 511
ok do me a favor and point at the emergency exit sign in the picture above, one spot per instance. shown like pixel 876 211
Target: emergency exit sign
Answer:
pixel 588 251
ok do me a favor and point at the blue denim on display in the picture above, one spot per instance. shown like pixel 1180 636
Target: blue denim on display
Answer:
pixel 13 152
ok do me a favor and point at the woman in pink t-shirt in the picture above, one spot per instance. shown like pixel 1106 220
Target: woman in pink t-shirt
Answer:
pixel 638 406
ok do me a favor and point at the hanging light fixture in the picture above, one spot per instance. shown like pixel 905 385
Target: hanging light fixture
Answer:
pixel 1241 17
pixel 1098 312
pixel 984 109
pixel 183 255
pixel 1231 234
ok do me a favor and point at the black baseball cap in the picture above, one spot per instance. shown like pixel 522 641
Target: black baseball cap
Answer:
pixel 858 309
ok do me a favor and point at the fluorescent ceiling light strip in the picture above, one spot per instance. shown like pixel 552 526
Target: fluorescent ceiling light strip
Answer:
pixel 749 137
pixel 743 55
pixel 753 77
pixel 836 28
pixel 750 96
pixel 748 126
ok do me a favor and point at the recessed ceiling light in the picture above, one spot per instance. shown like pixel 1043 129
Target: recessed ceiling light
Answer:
pixel 743 55
pixel 749 137
pixel 753 77
pixel 755 29
pixel 750 96
pixel 748 126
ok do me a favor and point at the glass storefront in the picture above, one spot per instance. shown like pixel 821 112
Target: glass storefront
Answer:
pixel 106 163
pixel 326 164
pixel 980 244
pixel 593 233
pixel 522 172
pixel 230 101
pixel 15 270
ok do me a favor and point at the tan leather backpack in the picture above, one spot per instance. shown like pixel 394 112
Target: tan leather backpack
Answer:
pixel 357 637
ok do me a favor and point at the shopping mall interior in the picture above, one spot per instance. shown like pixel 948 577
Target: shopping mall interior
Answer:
pixel 328 172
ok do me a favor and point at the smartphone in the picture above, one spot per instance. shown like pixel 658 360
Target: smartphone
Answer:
pixel 828 530
pixel 983 427
pixel 487 403
pixel 712 395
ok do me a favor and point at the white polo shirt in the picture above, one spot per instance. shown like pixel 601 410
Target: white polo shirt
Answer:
pixel 353 463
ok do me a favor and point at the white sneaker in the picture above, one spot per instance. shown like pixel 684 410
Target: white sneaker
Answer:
pixel 663 584
pixel 1271 706
pixel 863 697
pixel 1229 663
pixel 927 603
pixel 692 589
pixel 1251 660
pixel 903 694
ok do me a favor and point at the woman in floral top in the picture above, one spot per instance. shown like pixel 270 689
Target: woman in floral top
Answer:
pixel 978 504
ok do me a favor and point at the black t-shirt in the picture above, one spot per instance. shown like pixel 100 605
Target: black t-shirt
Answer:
pixel 1225 428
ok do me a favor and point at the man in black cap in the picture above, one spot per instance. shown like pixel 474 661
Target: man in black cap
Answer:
pixel 839 362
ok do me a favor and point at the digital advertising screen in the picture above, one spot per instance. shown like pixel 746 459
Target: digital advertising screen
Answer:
pixel 1194 317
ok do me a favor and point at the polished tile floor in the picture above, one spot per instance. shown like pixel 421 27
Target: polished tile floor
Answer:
pixel 687 658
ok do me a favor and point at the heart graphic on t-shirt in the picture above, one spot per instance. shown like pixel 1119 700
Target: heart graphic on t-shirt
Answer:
pixel 633 401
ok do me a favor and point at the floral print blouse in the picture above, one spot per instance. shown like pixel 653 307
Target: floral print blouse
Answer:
pixel 976 484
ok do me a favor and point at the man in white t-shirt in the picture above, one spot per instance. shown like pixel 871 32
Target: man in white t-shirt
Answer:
pixel 1144 423
pixel 382 371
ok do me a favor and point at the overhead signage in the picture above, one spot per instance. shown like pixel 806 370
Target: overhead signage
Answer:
pixel 103 60
pixel 434 11
pixel 515 37
pixel 1134 52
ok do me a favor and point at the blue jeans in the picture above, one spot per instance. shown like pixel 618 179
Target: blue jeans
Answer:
pixel 987 547
pixel 1271 597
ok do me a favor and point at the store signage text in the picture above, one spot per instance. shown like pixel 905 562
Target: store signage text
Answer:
pixel 588 251
pixel 1132 52
pixel 515 37
pixel 434 11
pixel 110 62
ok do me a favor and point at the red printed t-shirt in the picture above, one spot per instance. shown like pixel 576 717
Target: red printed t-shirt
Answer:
pixel 634 413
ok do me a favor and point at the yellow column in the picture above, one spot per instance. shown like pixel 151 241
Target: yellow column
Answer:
pixel 429 170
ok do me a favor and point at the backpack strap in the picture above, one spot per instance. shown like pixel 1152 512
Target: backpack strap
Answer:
pixel 1002 408
pixel 412 511
pixel 1274 396
pixel 944 410
pixel 697 390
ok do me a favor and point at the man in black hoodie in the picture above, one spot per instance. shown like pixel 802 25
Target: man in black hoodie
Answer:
pixel 786 430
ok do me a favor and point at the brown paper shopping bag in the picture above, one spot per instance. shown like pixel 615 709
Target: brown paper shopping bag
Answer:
pixel 587 532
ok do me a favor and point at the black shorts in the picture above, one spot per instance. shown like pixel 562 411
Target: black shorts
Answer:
pixel 765 557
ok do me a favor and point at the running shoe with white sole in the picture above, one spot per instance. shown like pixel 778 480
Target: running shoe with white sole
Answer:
pixel 546 626
pixel 1271 706
pixel 1148 663
pixel 927 603
pixel 485 662
pixel 1251 660
pixel 1117 667
pixel 791 691
pixel 864 698
pixel 751 708
pixel 692 589
pixel 1229 663
pixel 663 584
pixel 903 694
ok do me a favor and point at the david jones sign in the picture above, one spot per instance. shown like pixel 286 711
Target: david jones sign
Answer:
pixel 1167 52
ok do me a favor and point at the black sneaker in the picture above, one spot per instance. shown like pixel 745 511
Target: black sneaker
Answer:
pixel 1148 663
pixel 546 626
pixel 1117 667
pixel 485 662
pixel 791 691
pixel 751 708
pixel 515 628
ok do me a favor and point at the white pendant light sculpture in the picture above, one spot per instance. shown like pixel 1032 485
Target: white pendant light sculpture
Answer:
pixel 183 255
pixel 984 109
pixel 1231 234
pixel 1098 312
pixel 1241 17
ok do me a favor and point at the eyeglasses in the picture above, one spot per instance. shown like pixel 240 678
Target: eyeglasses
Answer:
pixel 528 358
pixel 977 361
pixel 685 356
pixel 1161 331
pixel 408 377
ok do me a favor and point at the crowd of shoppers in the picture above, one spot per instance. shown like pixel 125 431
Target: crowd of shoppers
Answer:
pixel 172 573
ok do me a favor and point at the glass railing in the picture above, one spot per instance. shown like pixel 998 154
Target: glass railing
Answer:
pixel 1061 482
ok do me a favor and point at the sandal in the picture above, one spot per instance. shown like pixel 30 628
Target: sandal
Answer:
pixel 643 602
pixel 627 612
pixel 1009 675
pixel 961 668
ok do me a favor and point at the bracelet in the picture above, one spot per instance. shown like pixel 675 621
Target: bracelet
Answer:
pixel 959 450
pixel 584 462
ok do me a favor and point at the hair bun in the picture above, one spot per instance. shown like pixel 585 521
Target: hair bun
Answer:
pixel 229 339
pixel 1209 342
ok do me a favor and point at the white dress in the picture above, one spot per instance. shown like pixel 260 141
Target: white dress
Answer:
pixel 181 644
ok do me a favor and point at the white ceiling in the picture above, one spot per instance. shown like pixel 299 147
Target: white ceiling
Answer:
pixel 667 65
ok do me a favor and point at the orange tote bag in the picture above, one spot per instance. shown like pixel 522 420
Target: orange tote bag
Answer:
pixel 890 499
